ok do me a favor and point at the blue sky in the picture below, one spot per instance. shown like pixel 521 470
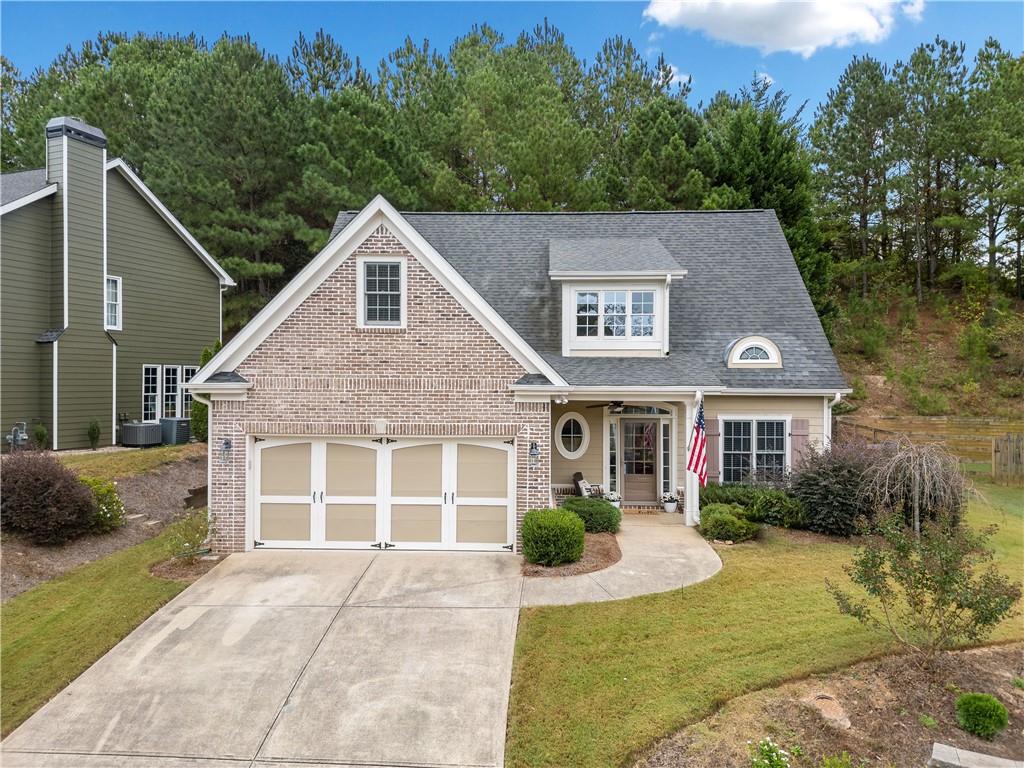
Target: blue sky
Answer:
pixel 803 47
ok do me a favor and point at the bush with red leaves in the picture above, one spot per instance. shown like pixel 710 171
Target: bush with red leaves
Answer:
pixel 43 499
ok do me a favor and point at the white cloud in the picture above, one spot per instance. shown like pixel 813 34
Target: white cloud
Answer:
pixel 678 78
pixel 781 25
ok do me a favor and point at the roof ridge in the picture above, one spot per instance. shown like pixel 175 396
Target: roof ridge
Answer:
pixel 571 213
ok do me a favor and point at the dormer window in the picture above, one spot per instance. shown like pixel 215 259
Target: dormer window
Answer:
pixel 753 352
pixel 615 313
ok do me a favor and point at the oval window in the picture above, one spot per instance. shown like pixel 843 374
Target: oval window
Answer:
pixel 572 435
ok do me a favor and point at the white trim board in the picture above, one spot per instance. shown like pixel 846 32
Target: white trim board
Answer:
pixel 27 199
pixel 119 165
pixel 378 211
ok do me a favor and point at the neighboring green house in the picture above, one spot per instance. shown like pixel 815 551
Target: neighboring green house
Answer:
pixel 107 300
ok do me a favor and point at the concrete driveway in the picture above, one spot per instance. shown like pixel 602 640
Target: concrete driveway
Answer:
pixel 279 658
pixel 298 658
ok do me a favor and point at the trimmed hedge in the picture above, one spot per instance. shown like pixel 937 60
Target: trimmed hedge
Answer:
pixel 552 536
pixel 598 515
pixel 727 522
pixel 777 508
pixel 981 714
pixel 732 493
pixel 43 499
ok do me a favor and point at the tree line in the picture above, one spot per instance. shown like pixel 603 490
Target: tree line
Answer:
pixel 256 155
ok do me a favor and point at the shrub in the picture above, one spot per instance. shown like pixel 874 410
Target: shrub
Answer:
pixel 860 389
pixel 724 522
pixel 94 434
pixel 198 413
pixel 190 535
pixel 598 515
pixel 927 403
pixel 43 499
pixel 981 714
pixel 778 508
pixel 975 343
pixel 767 754
pixel 41 436
pixel 929 591
pixel 744 495
pixel 552 536
pixel 828 484
pixel 110 512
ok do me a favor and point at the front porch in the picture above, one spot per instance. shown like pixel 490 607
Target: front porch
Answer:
pixel 633 447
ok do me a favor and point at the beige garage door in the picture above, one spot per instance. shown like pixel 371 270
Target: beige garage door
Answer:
pixel 408 494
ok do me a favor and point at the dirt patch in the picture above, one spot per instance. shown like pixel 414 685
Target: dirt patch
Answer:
pixel 895 710
pixel 180 569
pixel 152 500
pixel 599 551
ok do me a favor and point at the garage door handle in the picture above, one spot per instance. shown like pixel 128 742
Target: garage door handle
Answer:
pixel 446 497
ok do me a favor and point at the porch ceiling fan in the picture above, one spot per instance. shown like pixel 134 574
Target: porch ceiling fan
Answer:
pixel 614 406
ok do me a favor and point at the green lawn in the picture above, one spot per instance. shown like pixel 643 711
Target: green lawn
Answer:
pixel 53 632
pixel 110 465
pixel 594 684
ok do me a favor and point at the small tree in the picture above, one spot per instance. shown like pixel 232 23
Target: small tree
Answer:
pixel 94 434
pixel 929 591
pixel 199 424
pixel 921 480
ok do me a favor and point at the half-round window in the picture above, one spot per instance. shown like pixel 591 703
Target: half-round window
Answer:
pixel 753 352
pixel 572 435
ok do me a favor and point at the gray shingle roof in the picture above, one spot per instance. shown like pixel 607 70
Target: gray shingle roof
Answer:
pixel 230 377
pixel 609 254
pixel 14 186
pixel 742 280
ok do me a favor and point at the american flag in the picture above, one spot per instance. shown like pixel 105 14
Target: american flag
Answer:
pixel 699 447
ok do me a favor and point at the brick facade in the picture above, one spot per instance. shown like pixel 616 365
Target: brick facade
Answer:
pixel 319 374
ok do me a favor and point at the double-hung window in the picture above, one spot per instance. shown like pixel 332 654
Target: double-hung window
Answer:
pixel 381 293
pixel 615 314
pixel 187 372
pixel 112 304
pixel 150 392
pixel 171 374
pixel 753 449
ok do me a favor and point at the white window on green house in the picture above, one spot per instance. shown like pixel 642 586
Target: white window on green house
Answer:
pixel 112 304
pixel 150 392
pixel 187 372
pixel 170 391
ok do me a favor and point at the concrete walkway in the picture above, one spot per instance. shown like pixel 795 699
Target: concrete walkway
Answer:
pixel 659 553
pixel 281 659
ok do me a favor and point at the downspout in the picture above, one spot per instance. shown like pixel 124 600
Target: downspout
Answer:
pixel 209 458
pixel 828 426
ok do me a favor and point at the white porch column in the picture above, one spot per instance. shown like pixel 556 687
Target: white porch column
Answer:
pixel 691 486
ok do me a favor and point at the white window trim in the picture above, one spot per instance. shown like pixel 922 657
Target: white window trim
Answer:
pixel 180 401
pixel 671 418
pixel 361 262
pixel 120 303
pixel 650 345
pixel 584 445
pixel 724 417
pixel 741 345
pixel 184 395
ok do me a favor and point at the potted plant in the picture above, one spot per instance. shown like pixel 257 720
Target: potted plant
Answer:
pixel 614 498
pixel 670 501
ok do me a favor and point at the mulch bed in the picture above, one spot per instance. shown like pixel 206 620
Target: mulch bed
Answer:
pixel 885 701
pixel 180 569
pixel 599 551
pixel 159 495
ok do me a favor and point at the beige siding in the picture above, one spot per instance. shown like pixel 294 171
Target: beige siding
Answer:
pixel 25 285
pixel 591 463
pixel 171 298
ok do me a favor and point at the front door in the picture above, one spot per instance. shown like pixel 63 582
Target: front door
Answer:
pixel 639 461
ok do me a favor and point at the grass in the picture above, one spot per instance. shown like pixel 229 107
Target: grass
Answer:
pixel 53 632
pixel 111 465
pixel 594 684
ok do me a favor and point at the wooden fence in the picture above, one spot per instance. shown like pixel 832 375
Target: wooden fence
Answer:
pixel 1008 459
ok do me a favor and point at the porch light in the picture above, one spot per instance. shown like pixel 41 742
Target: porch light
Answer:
pixel 534 454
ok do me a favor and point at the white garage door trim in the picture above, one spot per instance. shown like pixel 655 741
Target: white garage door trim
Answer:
pixel 313 500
